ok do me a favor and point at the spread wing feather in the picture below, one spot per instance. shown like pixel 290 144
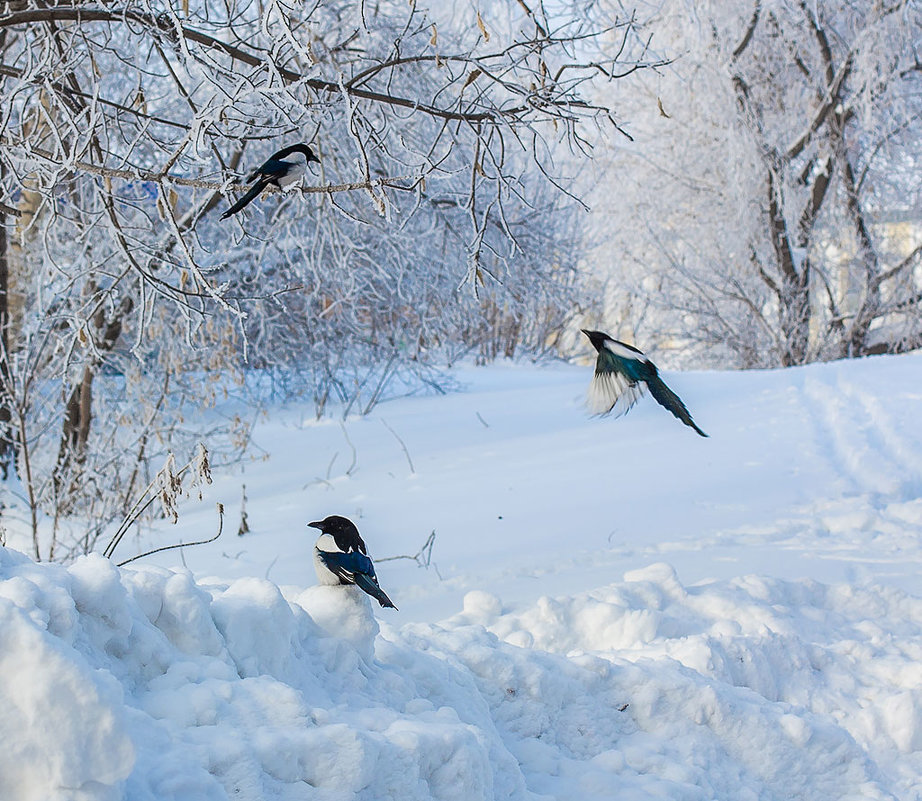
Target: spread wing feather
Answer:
pixel 613 393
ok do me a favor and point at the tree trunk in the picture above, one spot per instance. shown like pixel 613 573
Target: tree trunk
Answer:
pixel 78 412
pixel 794 289
pixel 7 453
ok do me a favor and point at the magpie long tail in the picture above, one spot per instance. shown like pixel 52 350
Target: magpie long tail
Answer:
pixel 368 585
pixel 248 198
pixel 666 398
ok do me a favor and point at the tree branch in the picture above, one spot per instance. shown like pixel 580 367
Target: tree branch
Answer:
pixel 178 180
pixel 162 26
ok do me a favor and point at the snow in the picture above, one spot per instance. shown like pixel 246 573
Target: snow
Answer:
pixel 615 609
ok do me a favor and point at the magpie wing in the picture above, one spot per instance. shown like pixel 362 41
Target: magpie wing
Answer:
pixel 274 168
pixel 347 565
pixel 356 568
pixel 613 387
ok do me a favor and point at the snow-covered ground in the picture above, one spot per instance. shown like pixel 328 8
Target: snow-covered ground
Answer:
pixel 614 608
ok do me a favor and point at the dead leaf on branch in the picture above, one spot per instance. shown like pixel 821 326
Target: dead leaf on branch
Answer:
pixel 474 75
pixel 483 28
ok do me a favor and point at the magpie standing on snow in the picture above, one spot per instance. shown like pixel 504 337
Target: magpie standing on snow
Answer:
pixel 280 169
pixel 340 557
pixel 621 372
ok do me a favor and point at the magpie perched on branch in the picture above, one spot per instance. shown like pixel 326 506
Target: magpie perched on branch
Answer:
pixel 340 557
pixel 621 373
pixel 280 169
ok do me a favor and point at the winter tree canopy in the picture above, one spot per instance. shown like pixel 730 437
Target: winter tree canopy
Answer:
pixel 126 130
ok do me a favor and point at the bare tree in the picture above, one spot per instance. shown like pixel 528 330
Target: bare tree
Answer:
pixel 777 166
pixel 129 304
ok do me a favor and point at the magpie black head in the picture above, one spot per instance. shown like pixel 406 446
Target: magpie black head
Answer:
pixel 597 338
pixel 299 148
pixel 343 531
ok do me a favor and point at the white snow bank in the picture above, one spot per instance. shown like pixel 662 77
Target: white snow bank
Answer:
pixel 145 685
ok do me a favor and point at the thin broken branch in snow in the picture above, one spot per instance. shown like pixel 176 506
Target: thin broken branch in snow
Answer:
pixel 182 544
pixel 402 445
pixel 423 557
pixel 271 565
pixel 351 467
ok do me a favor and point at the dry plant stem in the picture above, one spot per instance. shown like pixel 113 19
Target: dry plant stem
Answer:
pixel 351 467
pixel 140 506
pixel 244 527
pixel 181 544
pixel 30 483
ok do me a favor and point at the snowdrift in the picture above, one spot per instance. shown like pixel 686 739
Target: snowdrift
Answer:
pixel 146 685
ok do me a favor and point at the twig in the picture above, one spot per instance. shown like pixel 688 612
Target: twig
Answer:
pixel 271 565
pixel 318 480
pixel 402 445
pixel 354 452
pixel 485 423
pixel 423 557
pixel 182 544
pixel 141 506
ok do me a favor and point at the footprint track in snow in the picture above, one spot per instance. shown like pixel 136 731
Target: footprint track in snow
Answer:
pixel 862 442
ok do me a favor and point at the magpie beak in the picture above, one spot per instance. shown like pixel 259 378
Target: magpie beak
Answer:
pixel 278 170
pixel 340 557
pixel 622 372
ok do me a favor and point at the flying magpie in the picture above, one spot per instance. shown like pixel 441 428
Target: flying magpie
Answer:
pixel 621 372
pixel 278 170
pixel 340 557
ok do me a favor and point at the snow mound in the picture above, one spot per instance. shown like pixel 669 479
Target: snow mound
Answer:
pixel 145 685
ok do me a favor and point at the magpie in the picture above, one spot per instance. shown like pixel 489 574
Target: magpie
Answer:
pixel 278 170
pixel 621 373
pixel 340 557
